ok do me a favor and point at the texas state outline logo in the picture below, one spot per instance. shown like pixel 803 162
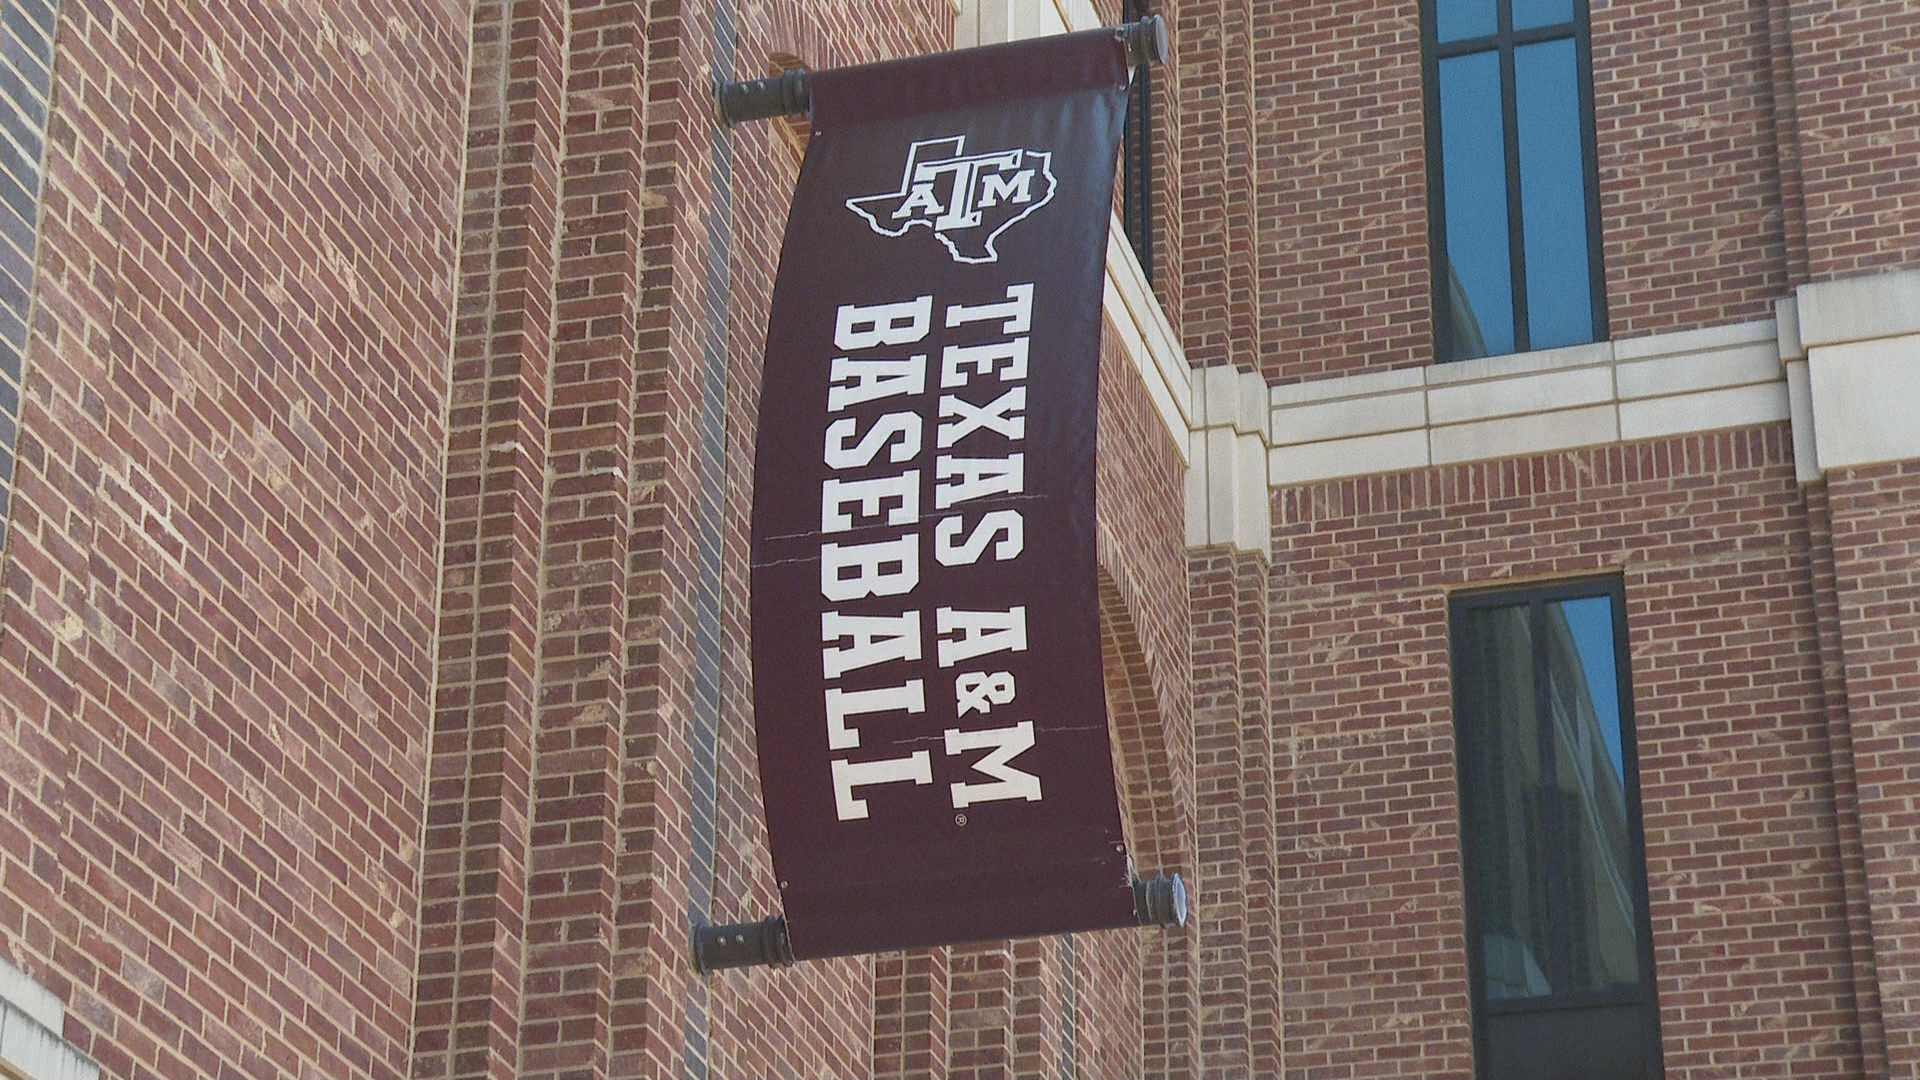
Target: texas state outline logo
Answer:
pixel 965 200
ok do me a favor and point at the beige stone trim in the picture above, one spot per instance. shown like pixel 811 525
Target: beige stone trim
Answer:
pixel 1504 406
pixel 30 1022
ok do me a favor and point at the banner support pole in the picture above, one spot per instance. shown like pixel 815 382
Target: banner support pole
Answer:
pixel 786 94
pixel 733 945
pixel 1160 901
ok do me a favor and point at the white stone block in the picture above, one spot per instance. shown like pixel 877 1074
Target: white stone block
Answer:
pixel 1536 392
pixel 1255 416
pixel 1708 410
pixel 1253 519
pixel 1705 339
pixel 1344 418
pixel 1216 396
pixel 1526 363
pixel 79 1068
pixel 1312 462
pixel 1076 15
pixel 1531 433
pixel 20 991
pixel 31 1050
pixel 1146 337
pixel 1349 386
pixel 1741 365
pixel 1223 503
pixel 1786 316
pixel 1170 400
pixel 1197 489
pixel 1859 309
pixel 1806 456
pixel 1866 401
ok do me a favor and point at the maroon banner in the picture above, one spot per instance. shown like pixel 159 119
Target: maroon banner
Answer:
pixel 928 698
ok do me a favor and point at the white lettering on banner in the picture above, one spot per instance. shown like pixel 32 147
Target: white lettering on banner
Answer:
pixel 837 494
pixel 847 775
pixel 882 568
pixel 977 692
pixel 872 380
pixel 877 639
pixel 976 478
pixel 993 416
pixel 959 363
pixel 1017 310
pixel 982 427
pixel 1008 525
pixel 1004 745
pixel 857 327
pixel 978 633
pixel 955 195
pixel 904 425
pixel 910 698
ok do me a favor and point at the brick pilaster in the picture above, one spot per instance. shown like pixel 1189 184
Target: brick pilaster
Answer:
pixel 1875 514
pixel 910 1014
pixel 980 1046
pixel 468 1008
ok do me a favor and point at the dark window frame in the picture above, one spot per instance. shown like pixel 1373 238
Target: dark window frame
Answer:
pixel 1505 40
pixel 1136 156
pixel 1535 598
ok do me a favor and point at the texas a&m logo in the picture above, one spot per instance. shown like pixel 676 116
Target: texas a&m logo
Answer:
pixel 965 200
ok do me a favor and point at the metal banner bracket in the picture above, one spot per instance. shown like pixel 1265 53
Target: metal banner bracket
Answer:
pixel 786 94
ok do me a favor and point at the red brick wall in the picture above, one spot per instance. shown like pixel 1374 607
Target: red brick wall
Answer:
pixel 1744 861
pixel 1689 181
pixel 1219 297
pixel 1689 127
pixel 1345 277
pixel 1876 559
pixel 1858 119
pixel 220 579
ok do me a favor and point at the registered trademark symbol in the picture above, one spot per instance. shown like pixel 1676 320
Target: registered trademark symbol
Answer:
pixel 959 819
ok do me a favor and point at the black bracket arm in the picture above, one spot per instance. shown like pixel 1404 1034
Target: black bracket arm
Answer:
pixel 732 945
pixel 1161 901
pixel 786 94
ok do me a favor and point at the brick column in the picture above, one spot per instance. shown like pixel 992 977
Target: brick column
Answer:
pixel 1041 991
pixel 1852 349
pixel 467 1008
pixel 1234 815
pixel 910 1015
pixel 981 1043
pixel 1229 538
pixel 1846 787
pixel 1876 555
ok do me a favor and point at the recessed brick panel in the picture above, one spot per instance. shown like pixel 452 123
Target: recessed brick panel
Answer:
pixel 1743 856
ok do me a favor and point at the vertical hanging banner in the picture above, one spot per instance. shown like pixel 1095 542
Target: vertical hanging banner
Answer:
pixel 928 696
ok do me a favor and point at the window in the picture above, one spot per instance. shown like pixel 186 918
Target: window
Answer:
pixel 1514 205
pixel 1559 949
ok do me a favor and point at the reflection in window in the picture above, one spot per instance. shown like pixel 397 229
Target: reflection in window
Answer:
pixel 1511 177
pixel 1550 826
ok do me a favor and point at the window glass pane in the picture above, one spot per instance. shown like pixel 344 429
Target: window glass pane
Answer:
pixel 1473 156
pixel 1553 207
pixel 1501 748
pixel 1457 20
pixel 1528 14
pixel 1589 767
